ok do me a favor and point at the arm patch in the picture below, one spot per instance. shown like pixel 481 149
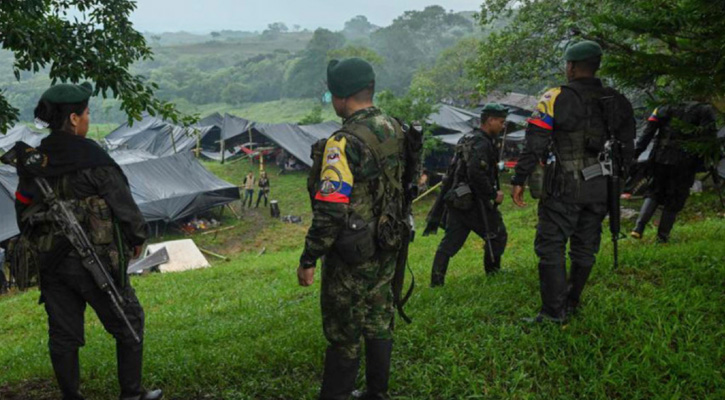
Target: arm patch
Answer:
pixel 336 179
pixel 543 116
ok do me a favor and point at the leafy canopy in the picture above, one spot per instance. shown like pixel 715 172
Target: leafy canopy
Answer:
pixel 97 44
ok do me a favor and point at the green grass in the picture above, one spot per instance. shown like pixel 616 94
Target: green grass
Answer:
pixel 244 330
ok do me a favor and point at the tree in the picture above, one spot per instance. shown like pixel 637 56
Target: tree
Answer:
pixel 414 40
pixel 413 108
pixel 307 76
pixel 216 35
pixel 670 50
pixel 363 52
pixel 274 30
pixel 452 77
pixel 313 117
pixel 99 45
pixel 358 27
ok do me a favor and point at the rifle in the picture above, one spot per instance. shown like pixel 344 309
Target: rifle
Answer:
pixel 610 159
pixel 60 212
pixel 489 235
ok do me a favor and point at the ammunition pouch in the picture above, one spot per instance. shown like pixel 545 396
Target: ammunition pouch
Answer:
pixel 100 221
pixel 355 244
pixel 536 182
pixel 460 197
pixel 391 232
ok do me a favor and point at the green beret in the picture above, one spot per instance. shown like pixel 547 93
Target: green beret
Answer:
pixel 494 110
pixel 582 50
pixel 349 76
pixel 68 93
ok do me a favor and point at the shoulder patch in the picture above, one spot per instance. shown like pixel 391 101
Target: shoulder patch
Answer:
pixel 336 180
pixel 655 116
pixel 543 116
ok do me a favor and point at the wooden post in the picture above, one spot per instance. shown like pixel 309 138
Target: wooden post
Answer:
pixel 251 146
pixel 222 146
pixel 198 142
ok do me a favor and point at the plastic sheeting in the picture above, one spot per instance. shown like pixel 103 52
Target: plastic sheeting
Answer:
pixel 321 131
pixel 453 119
pixel 175 187
pixel 8 184
pixel 155 136
pixel 131 156
pixel 20 133
pixel 291 138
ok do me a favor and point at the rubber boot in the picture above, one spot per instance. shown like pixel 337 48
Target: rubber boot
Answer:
pixel 129 359
pixel 645 215
pixel 377 368
pixel 68 373
pixel 577 280
pixel 338 380
pixel 438 272
pixel 552 280
pixel 666 223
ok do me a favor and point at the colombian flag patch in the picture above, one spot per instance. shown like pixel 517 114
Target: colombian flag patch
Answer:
pixel 336 180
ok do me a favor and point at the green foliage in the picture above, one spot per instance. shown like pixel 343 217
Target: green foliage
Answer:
pixel 671 50
pixel 244 329
pixel 452 77
pixel 314 117
pixel 358 28
pixel 308 73
pixel 363 52
pixel 413 108
pixel 414 40
pixel 101 45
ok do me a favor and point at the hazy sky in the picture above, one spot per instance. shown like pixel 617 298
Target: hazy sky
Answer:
pixel 204 16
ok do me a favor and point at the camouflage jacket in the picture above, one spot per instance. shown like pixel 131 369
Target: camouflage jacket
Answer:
pixel 348 169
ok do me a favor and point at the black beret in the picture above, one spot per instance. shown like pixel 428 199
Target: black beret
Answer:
pixel 349 76
pixel 68 93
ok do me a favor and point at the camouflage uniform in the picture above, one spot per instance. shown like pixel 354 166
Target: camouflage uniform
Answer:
pixel 357 300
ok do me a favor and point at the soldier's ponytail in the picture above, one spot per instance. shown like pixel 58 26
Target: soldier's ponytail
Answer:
pixel 56 115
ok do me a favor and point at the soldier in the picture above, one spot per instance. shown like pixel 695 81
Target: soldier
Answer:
pixel 473 198
pixel 567 133
pixel 673 128
pixel 359 179
pixel 80 171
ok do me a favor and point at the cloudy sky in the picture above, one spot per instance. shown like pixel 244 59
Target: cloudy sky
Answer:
pixel 203 16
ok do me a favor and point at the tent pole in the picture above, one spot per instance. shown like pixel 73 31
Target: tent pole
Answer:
pixel 198 142
pixel 223 151
pixel 173 141
pixel 251 146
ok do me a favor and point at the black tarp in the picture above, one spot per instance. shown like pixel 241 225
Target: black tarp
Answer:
pixel 321 131
pixel 8 184
pixel 20 133
pixel 155 136
pixel 291 138
pixel 175 187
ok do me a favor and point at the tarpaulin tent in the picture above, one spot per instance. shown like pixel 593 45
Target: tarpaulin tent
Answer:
pixel 449 119
pixel 155 136
pixel 291 138
pixel 174 187
pixel 20 133
pixel 8 184
pixel 321 131
pixel 131 156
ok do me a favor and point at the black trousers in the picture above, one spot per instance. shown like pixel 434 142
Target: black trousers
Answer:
pixel 65 292
pixel 460 224
pixel 671 184
pixel 262 194
pixel 560 223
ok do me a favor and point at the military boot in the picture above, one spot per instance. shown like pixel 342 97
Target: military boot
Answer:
pixel 438 272
pixel 68 373
pixel 129 359
pixel 666 223
pixel 377 369
pixel 577 280
pixel 338 379
pixel 645 215
pixel 552 280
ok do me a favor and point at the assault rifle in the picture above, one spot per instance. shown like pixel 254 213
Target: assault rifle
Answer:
pixel 59 211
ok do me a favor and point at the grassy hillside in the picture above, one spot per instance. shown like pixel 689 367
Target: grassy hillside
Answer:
pixel 244 329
